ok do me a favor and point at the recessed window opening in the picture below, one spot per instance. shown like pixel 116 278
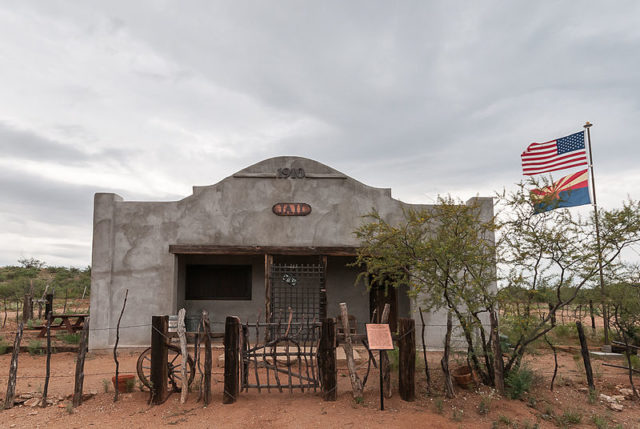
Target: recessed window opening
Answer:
pixel 218 282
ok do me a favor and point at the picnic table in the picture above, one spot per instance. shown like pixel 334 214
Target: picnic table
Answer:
pixel 65 323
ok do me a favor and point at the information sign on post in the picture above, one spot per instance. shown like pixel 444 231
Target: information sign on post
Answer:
pixel 379 338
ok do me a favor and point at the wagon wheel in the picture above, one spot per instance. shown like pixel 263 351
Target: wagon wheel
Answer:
pixel 174 363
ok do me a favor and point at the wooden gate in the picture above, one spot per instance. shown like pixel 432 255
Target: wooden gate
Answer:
pixel 287 362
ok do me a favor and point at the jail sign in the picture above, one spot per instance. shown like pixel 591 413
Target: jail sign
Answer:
pixel 291 209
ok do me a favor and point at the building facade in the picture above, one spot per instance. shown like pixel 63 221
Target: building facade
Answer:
pixel 277 235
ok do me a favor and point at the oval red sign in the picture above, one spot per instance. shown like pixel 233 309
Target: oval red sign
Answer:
pixel 291 209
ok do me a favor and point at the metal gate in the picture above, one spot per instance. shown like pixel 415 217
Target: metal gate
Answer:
pixel 286 363
pixel 299 287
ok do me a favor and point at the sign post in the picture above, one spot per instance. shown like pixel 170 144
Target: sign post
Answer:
pixel 379 338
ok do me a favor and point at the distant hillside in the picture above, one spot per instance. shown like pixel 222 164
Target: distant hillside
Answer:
pixel 33 274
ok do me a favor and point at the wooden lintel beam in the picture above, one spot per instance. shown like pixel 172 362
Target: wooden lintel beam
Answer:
pixel 199 249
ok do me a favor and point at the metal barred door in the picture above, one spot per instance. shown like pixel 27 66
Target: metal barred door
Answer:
pixel 301 288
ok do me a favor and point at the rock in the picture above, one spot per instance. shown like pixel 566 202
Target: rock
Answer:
pixel 33 413
pixel 618 398
pixel 627 393
pixel 62 405
pixel 615 406
pixel 33 402
pixel 87 396
pixel 606 398
pixel 26 396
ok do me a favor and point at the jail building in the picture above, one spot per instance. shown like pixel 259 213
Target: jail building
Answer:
pixel 277 235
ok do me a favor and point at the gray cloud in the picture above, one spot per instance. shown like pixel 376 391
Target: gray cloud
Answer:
pixel 151 98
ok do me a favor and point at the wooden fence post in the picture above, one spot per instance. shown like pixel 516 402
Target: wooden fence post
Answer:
pixel 13 370
pixel 206 388
pixel 356 383
pixel 327 365
pixel 585 356
pixel 49 304
pixel 82 352
pixel 231 366
pixel 48 364
pixel 407 358
pixel 183 350
pixel 159 374
pixel 27 308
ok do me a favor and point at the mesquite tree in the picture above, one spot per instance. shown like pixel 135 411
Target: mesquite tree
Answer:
pixel 446 254
pixel 555 252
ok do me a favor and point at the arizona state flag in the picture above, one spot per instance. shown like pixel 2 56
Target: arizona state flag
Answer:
pixel 570 191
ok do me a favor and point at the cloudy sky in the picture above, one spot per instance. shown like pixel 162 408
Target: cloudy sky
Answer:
pixel 148 98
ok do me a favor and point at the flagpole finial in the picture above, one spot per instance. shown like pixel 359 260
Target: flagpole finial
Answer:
pixel 587 124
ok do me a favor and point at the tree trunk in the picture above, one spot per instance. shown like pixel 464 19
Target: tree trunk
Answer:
pixel 356 383
pixel 115 347
pixel 448 384
pixel 593 320
pixel 424 354
pixel 384 358
pixel 555 359
pixel 498 363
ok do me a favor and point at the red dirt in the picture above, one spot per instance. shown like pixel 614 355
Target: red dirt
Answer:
pixel 303 409
pixel 284 410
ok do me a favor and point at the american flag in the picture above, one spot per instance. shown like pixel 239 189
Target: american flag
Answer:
pixel 565 152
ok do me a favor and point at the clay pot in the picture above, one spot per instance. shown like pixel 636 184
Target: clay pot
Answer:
pixel 122 382
pixel 462 376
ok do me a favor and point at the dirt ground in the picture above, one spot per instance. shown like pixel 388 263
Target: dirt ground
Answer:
pixel 280 410
pixel 285 410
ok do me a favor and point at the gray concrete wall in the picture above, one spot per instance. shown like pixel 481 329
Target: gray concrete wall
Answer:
pixel 131 239
pixel 436 320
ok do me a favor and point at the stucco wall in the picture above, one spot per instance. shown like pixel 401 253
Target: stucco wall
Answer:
pixel 131 240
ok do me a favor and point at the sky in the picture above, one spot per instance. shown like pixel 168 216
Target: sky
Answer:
pixel 149 98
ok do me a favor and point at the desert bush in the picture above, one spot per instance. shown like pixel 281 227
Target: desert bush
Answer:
pixel 34 347
pixel 569 418
pixel 519 381
pixel 4 346
pixel 70 338
pixel 484 406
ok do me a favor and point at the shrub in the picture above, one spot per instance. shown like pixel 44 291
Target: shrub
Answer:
pixel 3 346
pixel 569 418
pixel 34 347
pixel 70 338
pixel 131 383
pixel 394 359
pixel 635 361
pixel 600 421
pixel 519 381
pixel 457 414
pixel 562 331
pixel 439 406
pixel 484 406
pixel 105 385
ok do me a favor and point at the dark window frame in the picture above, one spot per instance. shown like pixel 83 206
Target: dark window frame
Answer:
pixel 231 278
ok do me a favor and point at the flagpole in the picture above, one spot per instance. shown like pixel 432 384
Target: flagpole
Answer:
pixel 605 315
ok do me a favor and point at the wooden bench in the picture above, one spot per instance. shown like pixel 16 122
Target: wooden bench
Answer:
pixel 64 324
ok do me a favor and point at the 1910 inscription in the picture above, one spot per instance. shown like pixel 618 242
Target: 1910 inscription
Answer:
pixel 291 209
pixel 290 173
